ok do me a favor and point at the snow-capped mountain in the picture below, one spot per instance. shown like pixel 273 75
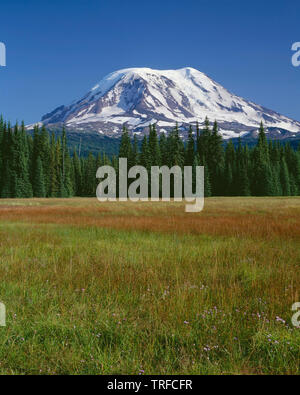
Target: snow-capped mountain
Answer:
pixel 138 97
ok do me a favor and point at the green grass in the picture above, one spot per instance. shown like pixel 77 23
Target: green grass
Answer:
pixel 87 299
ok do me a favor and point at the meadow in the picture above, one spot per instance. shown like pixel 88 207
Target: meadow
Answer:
pixel 145 288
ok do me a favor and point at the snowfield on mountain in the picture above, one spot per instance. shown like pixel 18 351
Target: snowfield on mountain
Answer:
pixel 138 97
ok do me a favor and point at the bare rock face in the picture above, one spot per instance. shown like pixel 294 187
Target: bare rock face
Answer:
pixel 138 97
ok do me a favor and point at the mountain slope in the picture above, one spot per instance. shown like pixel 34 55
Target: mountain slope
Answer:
pixel 138 97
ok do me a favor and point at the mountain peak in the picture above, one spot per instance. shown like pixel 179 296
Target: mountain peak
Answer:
pixel 138 97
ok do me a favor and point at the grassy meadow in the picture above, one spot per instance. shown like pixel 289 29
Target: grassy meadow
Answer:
pixel 144 288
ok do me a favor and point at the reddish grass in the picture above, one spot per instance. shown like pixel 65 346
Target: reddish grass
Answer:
pixel 261 218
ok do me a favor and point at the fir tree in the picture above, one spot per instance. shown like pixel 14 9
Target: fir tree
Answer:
pixel 163 149
pixel 135 152
pixel 53 169
pixel 215 159
pixel 207 183
pixel 126 147
pixel 262 182
pixel 284 178
pixel 39 180
pixel 176 148
pixel 190 149
pixel 145 154
pixel 77 174
pixel 154 150
pixel 21 186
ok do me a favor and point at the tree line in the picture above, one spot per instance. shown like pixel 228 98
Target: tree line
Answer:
pixel 41 165
pixel 267 169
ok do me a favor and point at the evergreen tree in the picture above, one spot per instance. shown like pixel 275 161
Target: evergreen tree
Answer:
pixel 39 180
pixel 207 183
pixel 229 170
pixel 145 154
pixel 21 186
pixel 53 169
pixel 135 152
pixel 66 171
pixel 190 149
pixel 216 160
pixel 175 148
pixel 7 165
pixel 204 142
pixel 262 181
pixel 241 184
pixel 77 174
pixel 126 147
pixel 41 166
pixel 284 178
pixel 163 149
pixel 89 175
pixel 154 150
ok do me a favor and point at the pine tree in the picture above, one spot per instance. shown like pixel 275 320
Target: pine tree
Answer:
pixel 7 175
pixel 204 142
pixel 176 148
pixel 241 184
pixel 21 186
pixel 135 152
pixel 145 154
pixel 190 149
pixel 262 143
pixel 77 175
pixel 163 149
pixel 153 145
pixel 44 154
pixel 284 178
pixel 89 176
pixel 262 181
pixel 229 169
pixel 58 169
pixel 207 183
pixel 39 180
pixel 67 189
pixel 215 159
pixel 195 164
pixel 126 147
pixel 53 169
pixel 274 153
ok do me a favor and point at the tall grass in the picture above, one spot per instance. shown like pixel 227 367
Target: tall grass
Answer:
pixel 129 288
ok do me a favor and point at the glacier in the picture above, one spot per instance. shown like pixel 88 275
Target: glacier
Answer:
pixel 138 97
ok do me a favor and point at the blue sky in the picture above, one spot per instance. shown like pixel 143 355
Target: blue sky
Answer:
pixel 58 50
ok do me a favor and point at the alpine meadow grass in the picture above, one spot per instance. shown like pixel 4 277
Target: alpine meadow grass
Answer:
pixel 145 288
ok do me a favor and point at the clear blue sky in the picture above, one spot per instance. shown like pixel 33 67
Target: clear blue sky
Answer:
pixel 57 50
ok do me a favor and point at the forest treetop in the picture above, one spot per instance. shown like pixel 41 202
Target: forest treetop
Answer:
pixel 41 165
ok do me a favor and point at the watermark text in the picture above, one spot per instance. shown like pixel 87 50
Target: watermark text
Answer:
pixel 296 316
pixel 2 55
pixel 296 56
pixel 165 182
pixel 2 314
